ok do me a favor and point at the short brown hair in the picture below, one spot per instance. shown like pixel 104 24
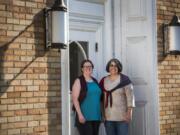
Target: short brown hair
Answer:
pixel 117 62
pixel 86 60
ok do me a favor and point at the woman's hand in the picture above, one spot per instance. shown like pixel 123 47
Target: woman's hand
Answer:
pixel 128 117
pixel 82 120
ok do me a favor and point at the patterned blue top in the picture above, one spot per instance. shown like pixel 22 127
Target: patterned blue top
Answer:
pixel 90 107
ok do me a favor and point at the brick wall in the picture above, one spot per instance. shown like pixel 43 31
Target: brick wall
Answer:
pixel 169 73
pixel 29 75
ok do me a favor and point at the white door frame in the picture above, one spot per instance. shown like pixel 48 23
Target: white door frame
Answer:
pixel 93 23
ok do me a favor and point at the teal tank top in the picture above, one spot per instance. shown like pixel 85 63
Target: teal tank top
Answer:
pixel 90 107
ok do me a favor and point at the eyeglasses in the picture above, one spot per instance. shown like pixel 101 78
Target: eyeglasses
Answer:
pixel 113 65
pixel 87 67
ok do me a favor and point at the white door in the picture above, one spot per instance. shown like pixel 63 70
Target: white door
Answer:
pixel 139 59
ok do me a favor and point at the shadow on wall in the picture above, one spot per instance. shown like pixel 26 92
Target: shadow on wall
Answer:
pixel 28 71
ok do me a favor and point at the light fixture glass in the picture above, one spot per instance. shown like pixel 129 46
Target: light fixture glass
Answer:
pixel 56 25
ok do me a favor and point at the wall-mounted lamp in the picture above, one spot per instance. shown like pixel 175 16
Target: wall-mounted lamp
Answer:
pixel 56 25
pixel 171 37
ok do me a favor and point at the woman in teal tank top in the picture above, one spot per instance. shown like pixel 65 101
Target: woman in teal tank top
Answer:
pixel 86 95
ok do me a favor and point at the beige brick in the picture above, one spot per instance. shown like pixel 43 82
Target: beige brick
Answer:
pixel 5 14
pixel 40 129
pixel 14 46
pixel 33 88
pixel 26 130
pixel 19 15
pixel 21 112
pixel 44 88
pixel 20 124
pixel 32 100
pixel 31 53
pixel 35 11
pixel 19 52
pixel 41 1
pixel 3 120
pixel 12 33
pixel 22 22
pixel 33 76
pixel 20 40
pixel 26 58
pixel 20 100
pixel 40 5
pixel 6 27
pixel 39 82
pixel 34 64
pixel 44 122
pixel 7 101
pixel 29 16
pixel 2 7
pixel 33 123
pixel 7 76
pixel 44 99
pixel 14 107
pixel 18 3
pixel 13 131
pixel 14 119
pixel 27 118
pixel 4 95
pixel 3 107
pixel 13 70
pixel 12 58
pixel 39 94
pixel 13 94
pixel 44 111
pixel 7 126
pixel 8 64
pixel 21 77
pixel 33 111
pixel 26 94
pixel 27 47
pixel 19 88
pixel 31 4
pixel 18 27
pixel 7 89
pixel 20 64
pixel 26 106
pixel 26 82
pixel 43 76
pixel 7 113
pixel 40 105
pixel 13 21
pixel 43 64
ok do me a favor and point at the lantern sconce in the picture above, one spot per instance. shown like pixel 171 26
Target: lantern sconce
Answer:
pixel 171 37
pixel 56 25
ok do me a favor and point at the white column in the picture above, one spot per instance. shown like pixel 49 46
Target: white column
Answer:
pixel 108 43
pixel 65 91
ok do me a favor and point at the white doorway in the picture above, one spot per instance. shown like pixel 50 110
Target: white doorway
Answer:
pixel 127 26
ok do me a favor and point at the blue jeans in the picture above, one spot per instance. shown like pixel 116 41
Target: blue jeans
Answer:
pixel 116 127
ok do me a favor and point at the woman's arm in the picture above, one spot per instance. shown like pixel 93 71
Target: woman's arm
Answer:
pixel 130 101
pixel 75 95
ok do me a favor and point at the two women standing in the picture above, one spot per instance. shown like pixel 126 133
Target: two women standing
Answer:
pixel 118 100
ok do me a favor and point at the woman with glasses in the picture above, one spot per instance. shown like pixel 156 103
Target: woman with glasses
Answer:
pixel 86 95
pixel 118 99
